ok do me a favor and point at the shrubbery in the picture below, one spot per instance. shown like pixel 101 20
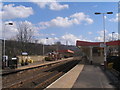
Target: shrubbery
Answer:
pixel 114 61
pixel 116 64
pixel 48 59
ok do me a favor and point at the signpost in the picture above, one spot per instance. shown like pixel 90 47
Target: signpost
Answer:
pixel 5 60
pixel 24 53
pixel 102 45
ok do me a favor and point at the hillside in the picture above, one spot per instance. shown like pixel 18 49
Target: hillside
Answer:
pixel 16 48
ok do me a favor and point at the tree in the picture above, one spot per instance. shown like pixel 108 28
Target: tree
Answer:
pixel 25 35
pixel 25 32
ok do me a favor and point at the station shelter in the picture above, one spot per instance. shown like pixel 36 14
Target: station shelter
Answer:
pixel 95 51
pixel 66 53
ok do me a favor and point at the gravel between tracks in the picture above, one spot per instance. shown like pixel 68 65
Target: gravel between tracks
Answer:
pixel 26 75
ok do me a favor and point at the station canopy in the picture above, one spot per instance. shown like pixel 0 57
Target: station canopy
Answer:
pixel 66 51
pixel 86 43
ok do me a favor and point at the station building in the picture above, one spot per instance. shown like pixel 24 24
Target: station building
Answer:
pixel 95 52
pixel 66 53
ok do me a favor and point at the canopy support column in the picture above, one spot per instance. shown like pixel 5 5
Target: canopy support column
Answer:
pixel 91 55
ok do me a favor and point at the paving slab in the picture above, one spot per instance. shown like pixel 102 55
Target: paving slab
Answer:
pixel 92 77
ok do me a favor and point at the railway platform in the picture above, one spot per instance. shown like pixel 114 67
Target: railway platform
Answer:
pixel 33 65
pixel 84 76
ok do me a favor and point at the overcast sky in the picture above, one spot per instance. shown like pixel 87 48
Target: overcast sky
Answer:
pixel 61 21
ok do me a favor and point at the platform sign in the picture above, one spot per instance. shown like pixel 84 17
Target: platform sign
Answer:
pixel 102 45
pixel 6 57
pixel 24 53
pixel 14 58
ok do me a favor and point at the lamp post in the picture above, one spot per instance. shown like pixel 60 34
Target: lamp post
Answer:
pixel 4 56
pixel 112 35
pixel 44 46
pixel 105 55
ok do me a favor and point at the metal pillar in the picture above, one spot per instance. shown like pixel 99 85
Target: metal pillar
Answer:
pixel 91 55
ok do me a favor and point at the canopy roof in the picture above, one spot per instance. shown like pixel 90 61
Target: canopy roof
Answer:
pixel 66 51
pixel 85 43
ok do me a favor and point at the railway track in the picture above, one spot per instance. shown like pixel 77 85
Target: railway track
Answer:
pixel 40 77
pixel 27 69
pixel 8 79
pixel 62 71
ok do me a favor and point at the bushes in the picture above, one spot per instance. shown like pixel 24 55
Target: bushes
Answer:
pixel 65 56
pixel 48 59
pixel 116 64
pixel 30 60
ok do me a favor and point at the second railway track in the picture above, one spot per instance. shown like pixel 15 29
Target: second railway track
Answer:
pixel 39 77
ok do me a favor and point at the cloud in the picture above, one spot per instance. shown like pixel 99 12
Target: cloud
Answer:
pixel 42 4
pixel 68 37
pixel 11 11
pixel 89 33
pixel 100 36
pixel 9 31
pixel 52 5
pixel 116 19
pixel 56 6
pixel 95 6
pixel 38 35
pixel 114 37
pixel 12 30
pixel 52 34
pixel 108 36
pixel 1 4
pixel 79 17
pixel 49 40
pixel 0 21
pixel 101 33
pixel 105 17
pixel 76 18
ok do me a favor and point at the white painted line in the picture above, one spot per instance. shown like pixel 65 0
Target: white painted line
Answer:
pixel 68 79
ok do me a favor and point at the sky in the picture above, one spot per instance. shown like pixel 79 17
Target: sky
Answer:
pixel 61 21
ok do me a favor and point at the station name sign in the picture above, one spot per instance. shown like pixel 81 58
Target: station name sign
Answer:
pixel 24 53
pixel 102 45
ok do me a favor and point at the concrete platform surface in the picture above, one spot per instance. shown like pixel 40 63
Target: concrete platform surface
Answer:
pixel 92 77
pixel 68 79
pixel 42 63
pixel 32 65
pixel 83 76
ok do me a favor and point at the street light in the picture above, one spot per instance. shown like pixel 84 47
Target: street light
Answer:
pixel 97 13
pixel 112 35
pixel 4 56
pixel 44 47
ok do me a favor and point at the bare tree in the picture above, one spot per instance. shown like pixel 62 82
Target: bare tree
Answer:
pixel 25 35
pixel 25 32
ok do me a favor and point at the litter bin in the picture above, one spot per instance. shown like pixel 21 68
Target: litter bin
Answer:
pixel 11 64
pixel 14 62
pixel 26 62
pixel 22 62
